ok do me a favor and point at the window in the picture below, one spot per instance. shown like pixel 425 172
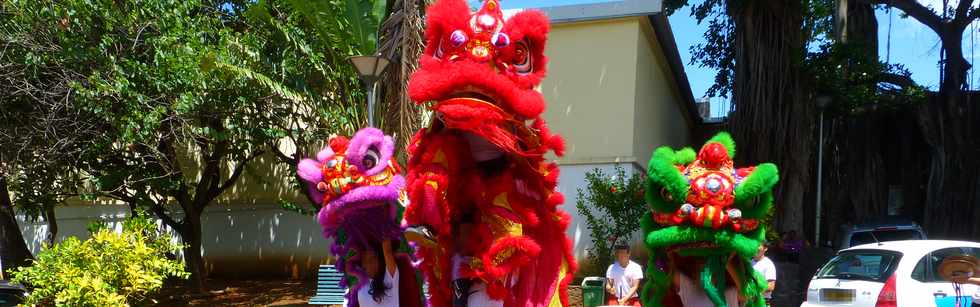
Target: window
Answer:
pixel 927 269
pixel 871 265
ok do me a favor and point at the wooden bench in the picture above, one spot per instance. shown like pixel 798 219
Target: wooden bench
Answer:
pixel 328 290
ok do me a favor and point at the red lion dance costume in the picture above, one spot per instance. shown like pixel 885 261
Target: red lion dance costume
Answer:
pixel 480 158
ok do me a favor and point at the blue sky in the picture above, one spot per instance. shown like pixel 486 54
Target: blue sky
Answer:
pixel 912 44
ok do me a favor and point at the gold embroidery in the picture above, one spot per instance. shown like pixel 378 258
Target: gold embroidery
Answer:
pixel 440 158
pixel 501 201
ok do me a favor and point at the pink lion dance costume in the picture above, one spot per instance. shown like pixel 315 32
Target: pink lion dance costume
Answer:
pixel 360 186
pixel 480 158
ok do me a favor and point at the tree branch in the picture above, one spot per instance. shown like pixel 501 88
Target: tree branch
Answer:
pixel 239 168
pixel 964 20
pixel 182 195
pixel 901 80
pixel 963 8
pixel 915 9
pixel 283 156
pixel 158 210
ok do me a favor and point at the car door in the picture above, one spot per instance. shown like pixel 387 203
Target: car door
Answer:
pixel 931 289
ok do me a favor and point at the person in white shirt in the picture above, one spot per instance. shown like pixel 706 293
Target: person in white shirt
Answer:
pixel 382 289
pixel 623 279
pixel 767 268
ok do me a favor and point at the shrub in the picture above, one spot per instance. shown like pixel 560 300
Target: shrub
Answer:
pixel 612 207
pixel 108 269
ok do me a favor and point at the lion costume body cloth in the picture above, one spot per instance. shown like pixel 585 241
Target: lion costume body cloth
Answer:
pixel 482 156
pixel 705 223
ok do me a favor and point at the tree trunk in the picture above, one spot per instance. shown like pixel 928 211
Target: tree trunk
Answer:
pixel 13 249
pixel 856 185
pixel 52 220
pixel 949 124
pixel 772 119
pixel 401 40
pixel 191 236
pixel 862 27
pixel 955 70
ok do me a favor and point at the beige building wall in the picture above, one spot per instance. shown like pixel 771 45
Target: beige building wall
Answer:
pixel 610 92
pixel 659 118
pixel 590 89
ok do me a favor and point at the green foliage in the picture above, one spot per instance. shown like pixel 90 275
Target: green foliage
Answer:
pixel 294 207
pixel 188 93
pixel 611 206
pixel 108 269
pixel 38 186
pixel 296 51
pixel 854 81
pixel 718 51
pixel 365 18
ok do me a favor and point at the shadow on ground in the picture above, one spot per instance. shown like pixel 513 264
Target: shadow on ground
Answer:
pixel 239 293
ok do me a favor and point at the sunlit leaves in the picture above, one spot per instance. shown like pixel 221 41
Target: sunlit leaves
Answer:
pixel 109 269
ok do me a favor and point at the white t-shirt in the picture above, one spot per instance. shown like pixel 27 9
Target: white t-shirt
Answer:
pixel 767 269
pixel 391 297
pixel 692 295
pixel 623 278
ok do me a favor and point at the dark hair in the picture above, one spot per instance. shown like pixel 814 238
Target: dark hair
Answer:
pixel 378 289
pixel 620 247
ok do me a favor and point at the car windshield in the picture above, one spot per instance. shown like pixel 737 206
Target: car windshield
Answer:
pixel 866 237
pixel 870 265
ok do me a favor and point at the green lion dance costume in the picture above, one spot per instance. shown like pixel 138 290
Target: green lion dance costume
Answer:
pixel 705 224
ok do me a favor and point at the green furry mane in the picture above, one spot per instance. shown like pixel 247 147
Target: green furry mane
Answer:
pixel 667 187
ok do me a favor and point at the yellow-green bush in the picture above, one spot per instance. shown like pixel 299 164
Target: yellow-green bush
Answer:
pixel 108 269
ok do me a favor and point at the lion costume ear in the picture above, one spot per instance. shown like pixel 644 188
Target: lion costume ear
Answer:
pixel 529 32
pixel 726 141
pixel 373 144
pixel 442 18
pixel 666 187
pixel 754 194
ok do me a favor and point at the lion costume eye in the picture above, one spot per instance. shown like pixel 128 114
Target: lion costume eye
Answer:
pixel 500 40
pixel 522 58
pixel 457 39
pixel 371 158
pixel 666 195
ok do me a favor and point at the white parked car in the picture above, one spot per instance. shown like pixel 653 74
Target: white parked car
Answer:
pixel 896 273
